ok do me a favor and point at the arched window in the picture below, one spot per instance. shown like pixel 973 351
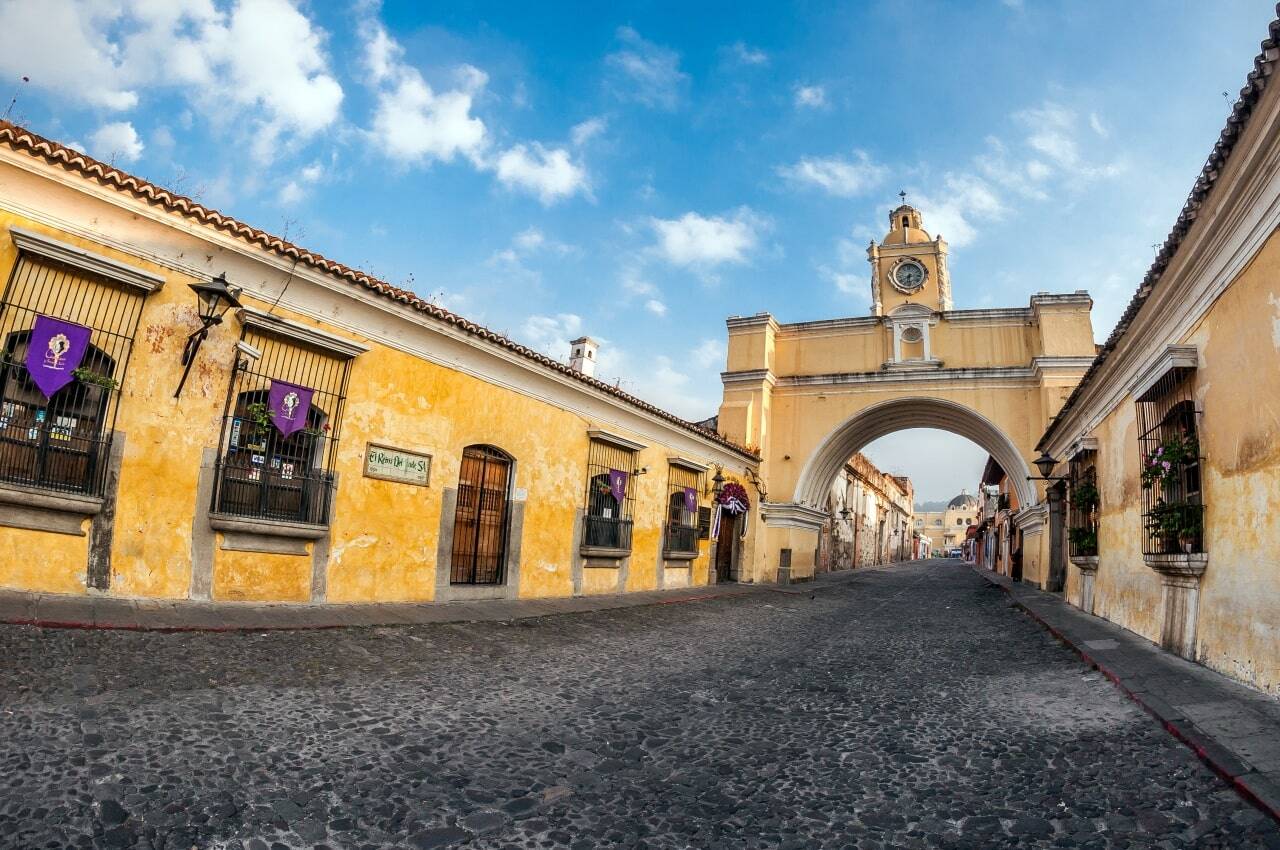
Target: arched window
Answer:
pixel 269 475
pixel 55 443
pixel 480 518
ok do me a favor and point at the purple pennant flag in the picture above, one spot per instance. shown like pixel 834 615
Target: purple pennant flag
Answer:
pixel 55 351
pixel 618 484
pixel 289 405
pixel 691 500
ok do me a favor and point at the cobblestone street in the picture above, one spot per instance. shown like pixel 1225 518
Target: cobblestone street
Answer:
pixel 907 707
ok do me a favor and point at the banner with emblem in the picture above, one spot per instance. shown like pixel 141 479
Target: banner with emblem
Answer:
pixel 691 500
pixel 289 405
pixel 618 484
pixel 55 351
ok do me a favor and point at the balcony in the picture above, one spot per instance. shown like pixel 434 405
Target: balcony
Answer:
pixel 680 542
pixel 606 536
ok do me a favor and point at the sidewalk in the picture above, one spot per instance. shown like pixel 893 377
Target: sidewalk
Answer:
pixel 1235 730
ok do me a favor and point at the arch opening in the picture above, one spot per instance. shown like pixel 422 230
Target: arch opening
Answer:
pixel 825 462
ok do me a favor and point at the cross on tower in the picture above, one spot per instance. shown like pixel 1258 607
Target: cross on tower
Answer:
pixel 903 195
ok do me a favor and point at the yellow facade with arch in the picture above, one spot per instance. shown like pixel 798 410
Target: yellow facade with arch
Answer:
pixel 810 394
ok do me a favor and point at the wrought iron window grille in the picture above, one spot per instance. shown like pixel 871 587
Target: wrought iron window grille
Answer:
pixel 62 443
pixel 261 473
pixel 607 523
pixel 681 532
pixel 1084 504
pixel 1170 465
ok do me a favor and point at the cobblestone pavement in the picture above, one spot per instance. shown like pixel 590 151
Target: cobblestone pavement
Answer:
pixel 908 707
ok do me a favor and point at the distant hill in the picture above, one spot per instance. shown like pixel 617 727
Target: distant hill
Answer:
pixel 930 507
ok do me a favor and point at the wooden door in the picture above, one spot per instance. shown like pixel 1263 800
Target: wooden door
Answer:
pixel 480 520
pixel 727 548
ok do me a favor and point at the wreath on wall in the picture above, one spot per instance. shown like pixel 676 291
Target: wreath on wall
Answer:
pixel 733 499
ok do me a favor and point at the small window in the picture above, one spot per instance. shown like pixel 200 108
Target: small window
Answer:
pixel 1084 504
pixel 912 334
pixel 1169 446
pixel 61 442
pixel 905 222
pixel 681 528
pixel 263 472
pixel 611 473
pixel 704 523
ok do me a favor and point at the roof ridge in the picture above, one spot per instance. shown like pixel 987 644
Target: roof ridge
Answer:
pixel 21 139
pixel 1237 122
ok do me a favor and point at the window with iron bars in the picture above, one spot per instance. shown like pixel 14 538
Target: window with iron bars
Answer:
pixel 607 523
pixel 262 474
pixel 1083 503
pixel 62 443
pixel 681 533
pixel 1169 445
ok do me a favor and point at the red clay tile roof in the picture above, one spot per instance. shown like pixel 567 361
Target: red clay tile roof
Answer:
pixel 25 141
pixel 1263 67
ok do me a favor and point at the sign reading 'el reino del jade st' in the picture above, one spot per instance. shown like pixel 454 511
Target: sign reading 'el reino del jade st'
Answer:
pixel 391 464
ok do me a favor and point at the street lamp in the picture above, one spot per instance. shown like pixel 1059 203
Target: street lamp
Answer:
pixel 213 300
pixel 1045 463
pixel 717 482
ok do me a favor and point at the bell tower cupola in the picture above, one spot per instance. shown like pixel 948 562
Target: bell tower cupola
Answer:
pixel 909 266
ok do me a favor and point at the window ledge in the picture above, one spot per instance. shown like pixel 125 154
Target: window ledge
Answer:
pixel 604 552
pixel 678 556
pixel 49 500
pixel 1179 564
pixel 46 510
pixel 267 527
pixel 1085 563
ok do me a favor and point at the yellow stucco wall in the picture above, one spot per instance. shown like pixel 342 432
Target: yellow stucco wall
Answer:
pixel 1238 387
pixel 383 535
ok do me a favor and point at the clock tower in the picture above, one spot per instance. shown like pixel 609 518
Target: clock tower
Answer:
pixel 909 266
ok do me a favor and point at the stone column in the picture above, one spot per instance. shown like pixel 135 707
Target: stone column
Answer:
pixel 1088 567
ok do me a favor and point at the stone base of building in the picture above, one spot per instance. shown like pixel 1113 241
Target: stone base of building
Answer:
pixel 1088 567
pixel 1180 576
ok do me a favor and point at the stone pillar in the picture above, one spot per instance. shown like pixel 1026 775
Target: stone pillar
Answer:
pixel 1180 576
pixel 1088 567
pixel 1057 579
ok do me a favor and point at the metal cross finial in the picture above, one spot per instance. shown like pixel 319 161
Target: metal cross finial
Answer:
pixel 903 195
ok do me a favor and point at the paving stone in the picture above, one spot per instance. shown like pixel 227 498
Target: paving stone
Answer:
pixel 907 707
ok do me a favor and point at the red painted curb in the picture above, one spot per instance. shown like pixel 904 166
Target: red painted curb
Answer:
pixel 1238 783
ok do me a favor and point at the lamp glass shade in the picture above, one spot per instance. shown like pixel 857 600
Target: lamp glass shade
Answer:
pixel 215 297
pixel 1045 463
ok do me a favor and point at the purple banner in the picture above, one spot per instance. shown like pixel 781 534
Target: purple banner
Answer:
pixel 618 484
pixel 691 500
pixel 55 351
pixel 289 405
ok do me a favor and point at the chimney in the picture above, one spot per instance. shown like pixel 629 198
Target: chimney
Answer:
pixel 582 355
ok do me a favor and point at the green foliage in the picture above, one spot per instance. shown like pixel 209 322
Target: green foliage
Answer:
pixel 1175 521
pixel 1084 541
pixel 1084 496
pixel 88 376
pixel 259 414
pixel 1165 464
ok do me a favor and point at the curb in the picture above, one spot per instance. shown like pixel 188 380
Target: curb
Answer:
pixel 1246 782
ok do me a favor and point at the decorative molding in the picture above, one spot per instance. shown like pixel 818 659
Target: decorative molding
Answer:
pixel 1082 445
pixel 609 553
pixel 1017 374
pixel 615 440
pixel 759 320
pixel 267 527
pixel 1031 520
pixel 685 463
pixel 792 515
pixel 1085 563
pixel 911 365
pixel 1179 564
pixel 1173 357
pixel 1041 364
pixel 258 320
pixel 49 500
pixel 749 376
pixel 684 557
pixel 849 323
pixel 63 252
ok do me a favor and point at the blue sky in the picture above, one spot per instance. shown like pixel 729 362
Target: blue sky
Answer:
pixel 639 172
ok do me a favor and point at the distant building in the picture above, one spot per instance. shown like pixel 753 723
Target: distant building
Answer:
pixel 946 528
pixel 870 518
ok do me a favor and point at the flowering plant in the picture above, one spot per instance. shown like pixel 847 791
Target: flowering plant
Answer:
pixel 1165 464
pixel 733 498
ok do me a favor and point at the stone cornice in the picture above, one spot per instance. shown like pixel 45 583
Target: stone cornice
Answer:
pixel 71 255
pixel 792 515
pixel 1022 375
pixel 748 376
pixel 1060 364
pixel 259 320
pixel 1173 357
pixel 744 323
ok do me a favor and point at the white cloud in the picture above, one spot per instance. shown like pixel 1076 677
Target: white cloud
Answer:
pixel 963 202
pixel 746 55
pixel 295 189
pixel 1095 124
pixel 413 122
pixel 843 178
pixel 707 241
pixel 811 97
pixel 529 239
pixel 709 354
pixel 262 62
pixel 645 72
pixel 551 334
pixel 634 284
pixel 548 173
pixel 1054 134
pixel 587 130
pixel 116 141
pixel 656 307
pixel 849 283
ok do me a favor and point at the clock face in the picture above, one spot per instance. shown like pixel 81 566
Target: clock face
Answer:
pixel 908 276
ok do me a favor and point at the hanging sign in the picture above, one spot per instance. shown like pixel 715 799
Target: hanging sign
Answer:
pixel 618 484
pixel 691 500
pixel 391 464
pixel 55 351
pixel 289 405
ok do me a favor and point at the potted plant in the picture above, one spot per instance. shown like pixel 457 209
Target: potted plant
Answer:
pixel 1177 524
pixel 1084 541
pixel 1165 464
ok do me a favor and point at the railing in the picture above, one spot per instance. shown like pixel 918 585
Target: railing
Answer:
pixel 52 457
pixel 606 532
pixel 681 539
pixel 261 493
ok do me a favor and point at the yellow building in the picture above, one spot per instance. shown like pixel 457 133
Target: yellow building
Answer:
pixel 1172 441
pixel 809 395
pixel 870 518
pixel 946 528
pixel 335 439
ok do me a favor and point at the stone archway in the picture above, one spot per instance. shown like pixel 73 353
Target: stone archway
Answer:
pixel 825 461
